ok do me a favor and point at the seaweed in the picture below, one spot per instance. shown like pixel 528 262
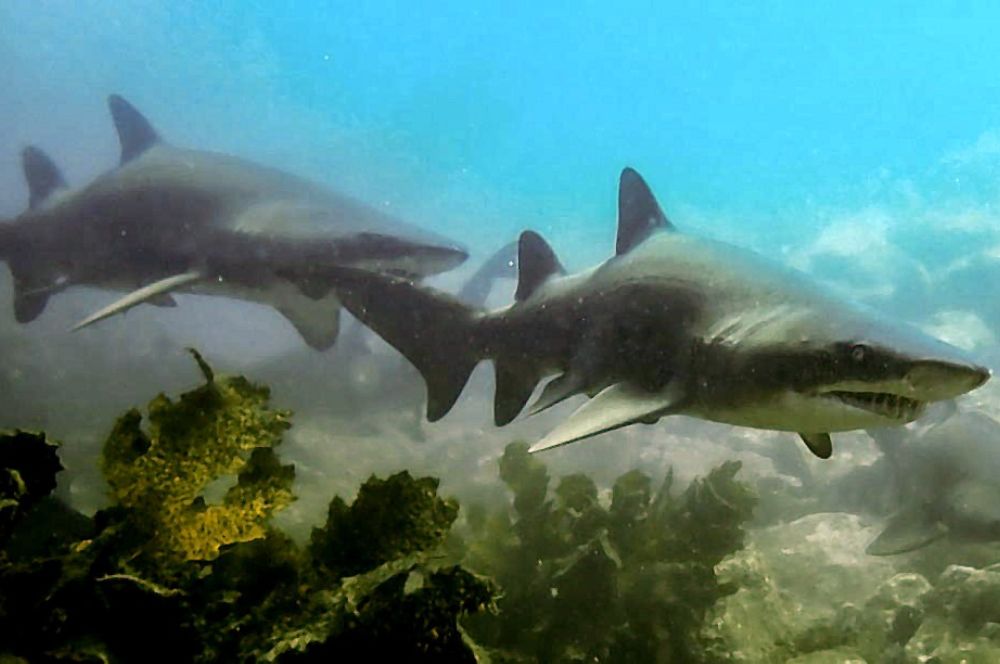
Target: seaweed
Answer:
pixel 221 428
pixel 28 467
pixel 629 582
pixel 171 572
pixel 184 564
pixel 389 519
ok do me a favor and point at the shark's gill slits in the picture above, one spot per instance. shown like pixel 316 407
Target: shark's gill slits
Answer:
pixel 893 406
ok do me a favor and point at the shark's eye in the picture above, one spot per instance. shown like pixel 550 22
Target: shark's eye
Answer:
pixel 859 352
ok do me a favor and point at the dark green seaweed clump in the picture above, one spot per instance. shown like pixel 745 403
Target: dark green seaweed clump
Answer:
pixel 632 582
pixel 170 573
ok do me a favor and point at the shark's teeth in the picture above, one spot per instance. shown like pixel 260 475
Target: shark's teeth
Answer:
pixel 892 406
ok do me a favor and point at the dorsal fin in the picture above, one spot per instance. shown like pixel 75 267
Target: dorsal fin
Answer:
pixel 536 262
pixel 42 175
pixel 135 133
pixel 639 215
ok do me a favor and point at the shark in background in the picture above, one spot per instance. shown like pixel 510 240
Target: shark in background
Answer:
pixel 173 220
pixel 671 324
pixel 945 477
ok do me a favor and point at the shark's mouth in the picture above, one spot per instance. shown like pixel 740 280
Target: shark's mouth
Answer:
pixel 892 406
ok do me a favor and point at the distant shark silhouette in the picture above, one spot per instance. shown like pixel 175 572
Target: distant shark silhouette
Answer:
pixel 671 324
pixel 947 481
pixel 171 220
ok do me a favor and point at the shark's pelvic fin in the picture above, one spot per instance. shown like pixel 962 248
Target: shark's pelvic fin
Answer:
pixel 558 390
pixel 536 263
pixel 135 133
pixel 908 530
pixel 639 215
pixel 614 407
pixel 318 321
pixel 42 175
pixel 165 300
pixel 30 306
pixel 818 443
pixel 136 297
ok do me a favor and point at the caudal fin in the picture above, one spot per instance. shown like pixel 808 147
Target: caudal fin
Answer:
pixel 434 331
pixel 501 265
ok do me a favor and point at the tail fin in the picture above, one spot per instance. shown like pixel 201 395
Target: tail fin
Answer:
pixel 435 332
pixel 501 265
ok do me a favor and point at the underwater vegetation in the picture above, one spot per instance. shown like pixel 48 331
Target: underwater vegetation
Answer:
pixel 184 565
pixel 631 582
pixel 166 574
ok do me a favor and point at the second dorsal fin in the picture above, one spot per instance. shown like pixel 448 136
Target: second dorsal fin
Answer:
pixel 639 215
pixel 42 175
pixel 135 133
pixel 536 262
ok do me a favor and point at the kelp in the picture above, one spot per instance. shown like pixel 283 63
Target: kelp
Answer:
pixel 222 428
pixel 183 565
pixel 28 467
pixel 629 582
pixel 166 573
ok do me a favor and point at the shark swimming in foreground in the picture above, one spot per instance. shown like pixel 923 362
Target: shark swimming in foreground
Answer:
pixel 670 325
pixel 169 220
pixel 947 482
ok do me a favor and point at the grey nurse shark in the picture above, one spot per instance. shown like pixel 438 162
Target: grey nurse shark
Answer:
pixel 670 325
pixel 170 219
pixel 946 478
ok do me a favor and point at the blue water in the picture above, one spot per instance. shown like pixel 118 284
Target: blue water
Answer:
pixel 768 124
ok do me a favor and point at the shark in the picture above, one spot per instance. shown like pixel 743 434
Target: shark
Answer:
pixel 945 479
pixel 672 324
pixel 173 220
pixel 374 384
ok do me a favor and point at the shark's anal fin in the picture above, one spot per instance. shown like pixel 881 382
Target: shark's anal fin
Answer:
pixel 639 215
pixel 818 443
pixel 135 133
pixel 908 530
pixel 137 297
pixel 614 407
pixel 515 383
pixel 536 263
pixel 42 175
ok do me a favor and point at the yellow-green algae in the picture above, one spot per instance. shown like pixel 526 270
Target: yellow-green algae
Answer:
pixel 224 427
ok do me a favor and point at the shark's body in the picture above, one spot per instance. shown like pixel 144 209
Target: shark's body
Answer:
pixel 671 324
pixel 170 219
pixel 947 482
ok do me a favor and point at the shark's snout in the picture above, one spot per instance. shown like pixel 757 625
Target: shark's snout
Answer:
pixel 936 380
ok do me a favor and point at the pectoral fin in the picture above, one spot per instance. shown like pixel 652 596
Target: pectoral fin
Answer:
pixel 614 407
pixel 148 293
pixel 910 529
pixel 818 443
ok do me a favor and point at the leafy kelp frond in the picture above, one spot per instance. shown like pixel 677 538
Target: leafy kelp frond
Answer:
pixel 28 467
pixel 404 611
pixel 224 427
pixel 631 582
pixel 390 518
